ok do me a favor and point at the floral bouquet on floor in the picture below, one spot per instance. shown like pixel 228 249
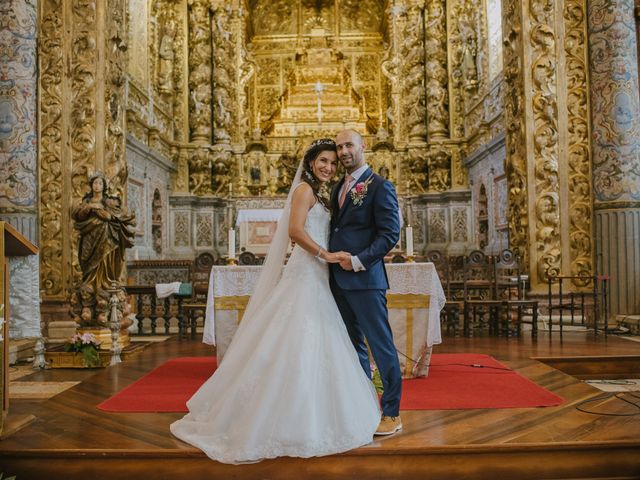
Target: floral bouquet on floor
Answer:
pixel 88 345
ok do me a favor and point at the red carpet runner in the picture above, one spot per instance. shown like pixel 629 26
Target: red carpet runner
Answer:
pixel 453 383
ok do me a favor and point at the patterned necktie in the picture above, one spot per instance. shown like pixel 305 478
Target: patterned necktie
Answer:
pixel 345 189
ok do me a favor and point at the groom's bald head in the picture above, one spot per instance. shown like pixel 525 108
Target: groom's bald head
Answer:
pixel 350 147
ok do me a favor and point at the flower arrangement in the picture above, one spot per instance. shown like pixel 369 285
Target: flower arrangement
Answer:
pixel 359 192
pixel 88 345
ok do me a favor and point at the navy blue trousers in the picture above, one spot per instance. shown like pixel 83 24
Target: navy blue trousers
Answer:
pixel 365 315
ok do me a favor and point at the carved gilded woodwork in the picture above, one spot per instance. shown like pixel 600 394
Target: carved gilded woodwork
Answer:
pixel 515 139
pixel 200 70
pixel 455 10
pixel 391 66
pixel 579 151
pixel 224 100
pixel 544 103
pixel 436 67
pixel 180 180
pixel 82 64
pixel 115 164
pixel 200 172
pixel 52 215
pixel 413 54
pixel 439 169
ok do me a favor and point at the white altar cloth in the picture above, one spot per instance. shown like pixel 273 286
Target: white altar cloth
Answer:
pixel 415 299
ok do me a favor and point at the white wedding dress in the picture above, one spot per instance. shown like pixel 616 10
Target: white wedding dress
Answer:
pixel 290 383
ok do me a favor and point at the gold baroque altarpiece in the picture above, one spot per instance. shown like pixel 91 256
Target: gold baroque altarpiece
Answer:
pixel 231 91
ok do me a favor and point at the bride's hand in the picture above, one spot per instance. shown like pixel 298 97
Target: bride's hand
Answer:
pixel 336 257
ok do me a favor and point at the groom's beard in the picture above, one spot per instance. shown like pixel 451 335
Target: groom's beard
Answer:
pixel 351 162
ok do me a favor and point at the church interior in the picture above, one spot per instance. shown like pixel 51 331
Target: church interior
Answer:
pixel 507 127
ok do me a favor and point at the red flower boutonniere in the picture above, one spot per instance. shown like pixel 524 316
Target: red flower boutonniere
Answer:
pixel 359 191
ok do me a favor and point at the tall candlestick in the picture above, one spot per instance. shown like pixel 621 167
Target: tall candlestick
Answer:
pixel 409 235
pixel 232 243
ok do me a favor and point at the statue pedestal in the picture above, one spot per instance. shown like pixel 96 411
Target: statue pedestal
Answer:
pixel 103 335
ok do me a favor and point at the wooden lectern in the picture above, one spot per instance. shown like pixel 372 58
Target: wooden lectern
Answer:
pixel 12 244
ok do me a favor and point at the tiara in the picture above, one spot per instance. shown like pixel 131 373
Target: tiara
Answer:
pixel 322 141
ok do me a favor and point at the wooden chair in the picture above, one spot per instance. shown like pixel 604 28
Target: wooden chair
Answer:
pixel 511 288
pixel 398 258
pixel 481 303
pixel 450 314
pixel 247 258
pixel 195 308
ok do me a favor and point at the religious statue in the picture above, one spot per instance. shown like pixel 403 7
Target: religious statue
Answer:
pixel 106 231
pixel 166 56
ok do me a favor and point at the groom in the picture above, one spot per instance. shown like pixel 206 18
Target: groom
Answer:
pixel 366 224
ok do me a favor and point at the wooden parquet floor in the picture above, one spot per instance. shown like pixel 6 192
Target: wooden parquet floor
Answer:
pixel 71 438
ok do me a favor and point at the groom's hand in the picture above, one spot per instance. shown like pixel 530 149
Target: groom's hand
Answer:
pixel 345 263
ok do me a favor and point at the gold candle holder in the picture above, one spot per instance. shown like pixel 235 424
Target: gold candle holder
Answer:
pixel 410 259
pixel 232 261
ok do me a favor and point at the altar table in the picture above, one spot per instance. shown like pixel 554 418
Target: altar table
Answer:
pixel 415 299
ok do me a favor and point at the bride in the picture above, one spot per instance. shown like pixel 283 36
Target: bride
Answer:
pixel 290 383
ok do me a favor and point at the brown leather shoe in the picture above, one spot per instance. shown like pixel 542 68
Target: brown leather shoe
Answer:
pixel 389 425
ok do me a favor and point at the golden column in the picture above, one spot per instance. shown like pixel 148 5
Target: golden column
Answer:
pixel 81 104
pixel 200 71
pixel 547 137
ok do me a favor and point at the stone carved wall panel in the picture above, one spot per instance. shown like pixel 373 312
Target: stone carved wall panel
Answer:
pixel 181 229
pixel 459 224
pixel 204 230
pixel 438 232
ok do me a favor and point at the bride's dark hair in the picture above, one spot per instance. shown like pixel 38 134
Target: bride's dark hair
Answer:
pixel 314 150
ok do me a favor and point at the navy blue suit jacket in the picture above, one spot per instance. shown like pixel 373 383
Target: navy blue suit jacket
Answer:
pixel 368 231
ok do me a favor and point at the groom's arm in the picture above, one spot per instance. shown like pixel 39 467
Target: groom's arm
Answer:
pixel 387 224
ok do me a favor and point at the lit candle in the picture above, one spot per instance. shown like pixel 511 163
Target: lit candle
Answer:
pixel 232 243
pixel 409 234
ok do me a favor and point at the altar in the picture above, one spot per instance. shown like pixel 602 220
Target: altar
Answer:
pixel 415 299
